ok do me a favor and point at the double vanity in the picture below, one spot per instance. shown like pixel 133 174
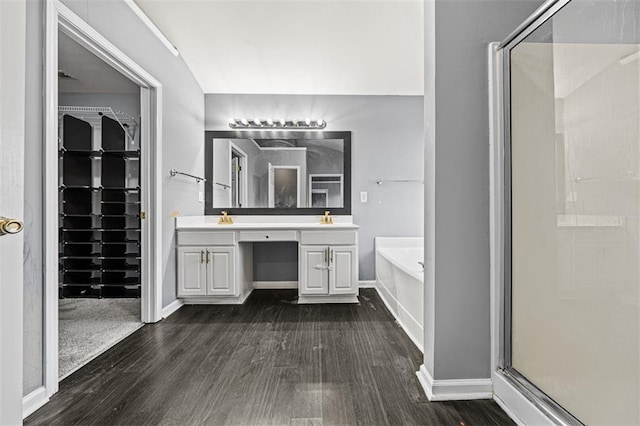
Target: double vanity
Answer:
pixel 215 261
pixel 275 185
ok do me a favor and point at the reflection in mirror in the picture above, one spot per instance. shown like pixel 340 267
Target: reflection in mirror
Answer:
pixel 294 172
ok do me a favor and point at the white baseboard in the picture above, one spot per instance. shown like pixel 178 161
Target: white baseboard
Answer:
pixel 454 389
pixel 367 284
pixel 33 401
pixel 409 324
pixel 171 308
pixel 516 405
pixel 275 284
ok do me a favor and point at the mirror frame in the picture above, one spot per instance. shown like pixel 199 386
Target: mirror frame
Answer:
pixel 210 135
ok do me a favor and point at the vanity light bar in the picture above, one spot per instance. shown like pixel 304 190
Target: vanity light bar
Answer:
pixel 281 123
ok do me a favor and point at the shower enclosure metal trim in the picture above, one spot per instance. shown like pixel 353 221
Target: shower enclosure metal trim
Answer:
pixel 543 402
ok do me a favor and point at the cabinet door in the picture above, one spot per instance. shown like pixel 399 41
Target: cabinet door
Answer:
pixel 314 276
pixel 343 270
pixel 220 263
pixel 191 271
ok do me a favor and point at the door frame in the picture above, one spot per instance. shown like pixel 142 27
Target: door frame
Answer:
pixel 243 188
pixel 59 17
pixel 312 175
pixel 272 183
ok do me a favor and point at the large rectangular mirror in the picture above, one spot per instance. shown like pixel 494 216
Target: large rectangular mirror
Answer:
pixel 277 172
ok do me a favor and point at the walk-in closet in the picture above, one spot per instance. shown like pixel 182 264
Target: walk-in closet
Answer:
pixel 99 206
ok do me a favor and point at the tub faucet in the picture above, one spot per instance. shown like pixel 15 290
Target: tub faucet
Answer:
pixel 224 219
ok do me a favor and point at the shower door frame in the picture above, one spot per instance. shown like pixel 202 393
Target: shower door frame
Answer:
pixel 528 401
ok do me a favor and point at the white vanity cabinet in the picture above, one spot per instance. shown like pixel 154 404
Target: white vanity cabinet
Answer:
pixel 328 270
pixel 215 262
pixel 206 271
pixel 328 266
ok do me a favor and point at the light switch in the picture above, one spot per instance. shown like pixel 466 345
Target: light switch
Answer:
pixel 363 196
pixel 200 196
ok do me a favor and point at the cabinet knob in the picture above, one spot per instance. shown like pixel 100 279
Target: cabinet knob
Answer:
pixel 266 236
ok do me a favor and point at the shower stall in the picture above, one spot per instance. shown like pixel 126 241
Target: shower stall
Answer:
pixel 569 208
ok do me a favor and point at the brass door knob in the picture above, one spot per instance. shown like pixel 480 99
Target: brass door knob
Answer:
pixel 10 226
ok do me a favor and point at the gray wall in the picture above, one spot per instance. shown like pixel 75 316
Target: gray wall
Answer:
pixel 183 115
pixel 457 301
pixel 387 143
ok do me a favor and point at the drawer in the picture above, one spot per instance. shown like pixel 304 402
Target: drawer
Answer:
pixel 205 238
pixel 329 237
pixel 266 235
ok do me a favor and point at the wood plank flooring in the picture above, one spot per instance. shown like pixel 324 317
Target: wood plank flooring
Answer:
pixel 268 361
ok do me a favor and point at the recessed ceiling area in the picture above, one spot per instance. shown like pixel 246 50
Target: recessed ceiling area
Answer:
pixel 331 47
pixel 80 71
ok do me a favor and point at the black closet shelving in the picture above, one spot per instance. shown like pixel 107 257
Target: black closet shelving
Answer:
pixel 100 230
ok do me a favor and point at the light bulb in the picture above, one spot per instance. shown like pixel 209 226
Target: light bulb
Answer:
pixel 269 122
pixel 307 121
pixel 233 122
pixel 320 122
pixel 283 122
pixel 244 122
pixel 257 122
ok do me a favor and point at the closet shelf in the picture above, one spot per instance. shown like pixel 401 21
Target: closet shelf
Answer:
pixel 100 188
pixel 72 215
pixel 100 230
pixel 100 256
pixel 100 242
pixel 100 152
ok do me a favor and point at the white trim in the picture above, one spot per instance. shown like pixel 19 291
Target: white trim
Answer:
pixel 244 167
pixel 412 328
pixel 367 284
pixel 33 401
pixel 59 17
pixel 171 308
pixel 50 199
pixel 149 23
pixel 454 389
pixel 521 410
pixel 275 284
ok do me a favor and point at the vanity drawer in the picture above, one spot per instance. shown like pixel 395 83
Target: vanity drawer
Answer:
pixel 328 237
pixel 206 238
pixel 249 236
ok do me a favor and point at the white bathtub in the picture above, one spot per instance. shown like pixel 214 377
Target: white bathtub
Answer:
pixel 399 281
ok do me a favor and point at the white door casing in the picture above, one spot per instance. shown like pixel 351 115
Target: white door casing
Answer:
pixel 12 132
pixel 61 18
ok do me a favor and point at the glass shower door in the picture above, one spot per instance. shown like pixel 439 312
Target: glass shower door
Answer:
pixel 573 228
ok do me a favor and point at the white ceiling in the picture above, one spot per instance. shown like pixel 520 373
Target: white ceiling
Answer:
pixel 365 47
pixel 91 74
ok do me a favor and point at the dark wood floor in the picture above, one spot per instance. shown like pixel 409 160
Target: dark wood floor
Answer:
pixel 268 361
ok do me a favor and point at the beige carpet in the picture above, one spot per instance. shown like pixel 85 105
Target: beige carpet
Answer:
pixel 88 327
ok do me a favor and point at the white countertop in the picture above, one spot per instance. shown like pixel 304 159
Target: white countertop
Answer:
pixel 265 222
